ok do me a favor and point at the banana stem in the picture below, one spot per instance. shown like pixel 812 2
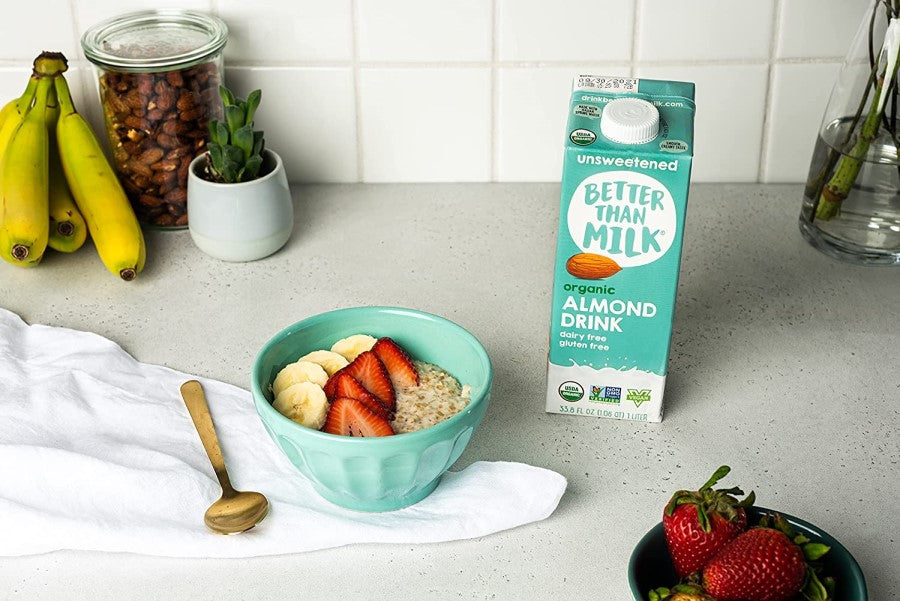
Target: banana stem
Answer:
pixel 50 64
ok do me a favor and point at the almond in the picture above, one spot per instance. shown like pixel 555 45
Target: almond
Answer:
pixel 591 266
pixel 151 155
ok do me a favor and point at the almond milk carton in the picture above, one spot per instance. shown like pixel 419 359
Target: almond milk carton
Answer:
pixel 624 193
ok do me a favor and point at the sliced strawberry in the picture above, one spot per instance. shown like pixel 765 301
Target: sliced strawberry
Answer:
pixel 370 372
pixel 349 417
pixel 348 386
pixel 398 364
pixel 331 384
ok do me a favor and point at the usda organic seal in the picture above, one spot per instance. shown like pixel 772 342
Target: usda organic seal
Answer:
pixel 571 391
pixel 582 137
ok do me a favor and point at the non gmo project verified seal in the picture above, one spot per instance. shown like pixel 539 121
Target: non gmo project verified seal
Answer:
pixel 605 394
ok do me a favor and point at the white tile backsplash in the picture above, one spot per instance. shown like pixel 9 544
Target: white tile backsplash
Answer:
pixel 12 82
pixel 29 27
pixel 531 120
pixel 302 30
pixel 576 30
pixel 690 30
pixel 355 90
pixel 424 30
pixel 813 28
pixel 425 125
pixel 308 116
pixel 799 95
pixel 729 121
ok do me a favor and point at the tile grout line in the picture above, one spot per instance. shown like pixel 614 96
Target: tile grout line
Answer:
pixel 337 64
pixel 357 92
pixel 495 97
pixel 635 33
pixel 762 167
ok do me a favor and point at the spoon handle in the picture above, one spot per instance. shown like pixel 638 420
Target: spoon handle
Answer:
pixel 195 400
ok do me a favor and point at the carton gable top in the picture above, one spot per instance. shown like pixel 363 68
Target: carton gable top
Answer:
pixel 673 99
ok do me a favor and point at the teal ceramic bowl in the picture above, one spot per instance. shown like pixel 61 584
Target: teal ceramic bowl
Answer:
pixel 650 566
pixel 385 473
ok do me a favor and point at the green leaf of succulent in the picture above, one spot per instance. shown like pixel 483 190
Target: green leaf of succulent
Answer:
pixel 259 142
pixel 251 169
pixel 230 171
pixel 243 139
pixel 216 156
pixel 222 133
pixel 226 96
pixel 234 115
pixel 814 551
pixel 252 104
pixel 233 154
pixel 213 134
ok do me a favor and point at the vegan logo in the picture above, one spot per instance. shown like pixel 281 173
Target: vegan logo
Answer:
pixel 624 215
pixel 571 391
pixel 605 394
pixel 638 396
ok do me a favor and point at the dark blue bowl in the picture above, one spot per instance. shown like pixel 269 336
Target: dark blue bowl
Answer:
pixel 650 566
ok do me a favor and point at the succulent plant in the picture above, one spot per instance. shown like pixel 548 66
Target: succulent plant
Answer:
pixel 235 149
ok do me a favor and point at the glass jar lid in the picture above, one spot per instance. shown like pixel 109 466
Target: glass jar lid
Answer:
pixel 154 40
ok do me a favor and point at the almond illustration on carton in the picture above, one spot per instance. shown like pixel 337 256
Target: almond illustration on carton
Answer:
pixel 591 266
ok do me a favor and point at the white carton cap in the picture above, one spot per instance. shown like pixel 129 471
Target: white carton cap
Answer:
pixel 629 121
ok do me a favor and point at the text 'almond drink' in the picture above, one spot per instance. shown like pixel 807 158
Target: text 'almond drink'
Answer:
pixel 624 193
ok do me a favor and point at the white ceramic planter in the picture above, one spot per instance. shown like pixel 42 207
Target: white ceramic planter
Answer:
pixel 240 222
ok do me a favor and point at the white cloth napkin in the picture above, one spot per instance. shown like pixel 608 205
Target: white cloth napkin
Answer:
pixel 97 452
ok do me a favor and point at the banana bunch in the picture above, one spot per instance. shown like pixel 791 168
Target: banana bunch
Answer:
pixel 56 186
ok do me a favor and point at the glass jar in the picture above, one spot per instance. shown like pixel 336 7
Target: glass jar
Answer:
pixel 159 73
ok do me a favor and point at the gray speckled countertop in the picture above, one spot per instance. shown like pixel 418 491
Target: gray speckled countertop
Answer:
pixel 784 365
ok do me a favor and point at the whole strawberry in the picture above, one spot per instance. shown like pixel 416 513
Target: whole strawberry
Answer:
pixel 697 524
pixel 765 564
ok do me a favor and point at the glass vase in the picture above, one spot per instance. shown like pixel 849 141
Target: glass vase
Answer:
pixel 851 202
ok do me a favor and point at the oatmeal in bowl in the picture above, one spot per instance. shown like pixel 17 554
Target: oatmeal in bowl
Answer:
pixel 372 404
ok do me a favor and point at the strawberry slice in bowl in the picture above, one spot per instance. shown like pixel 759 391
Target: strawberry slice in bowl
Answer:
pixel 345 385
pixel 368 370
pixel 397 362
pixel 350 417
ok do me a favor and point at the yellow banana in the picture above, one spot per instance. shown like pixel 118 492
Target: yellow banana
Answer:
pixel 8 109
pixel 97 192
pixel 68 230
pixel 24 186
pixel 14 112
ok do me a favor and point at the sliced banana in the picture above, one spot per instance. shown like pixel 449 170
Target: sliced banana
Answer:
pixel 304 403
pixel 330 361
pixel 352 346
pixel 295 373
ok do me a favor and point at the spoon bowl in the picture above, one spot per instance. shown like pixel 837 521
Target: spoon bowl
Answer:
pixel 230 515
pixel 236 511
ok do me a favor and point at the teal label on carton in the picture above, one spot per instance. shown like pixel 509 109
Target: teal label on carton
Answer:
pixel 622 211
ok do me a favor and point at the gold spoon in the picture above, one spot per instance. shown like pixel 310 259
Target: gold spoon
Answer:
pixel 236 511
